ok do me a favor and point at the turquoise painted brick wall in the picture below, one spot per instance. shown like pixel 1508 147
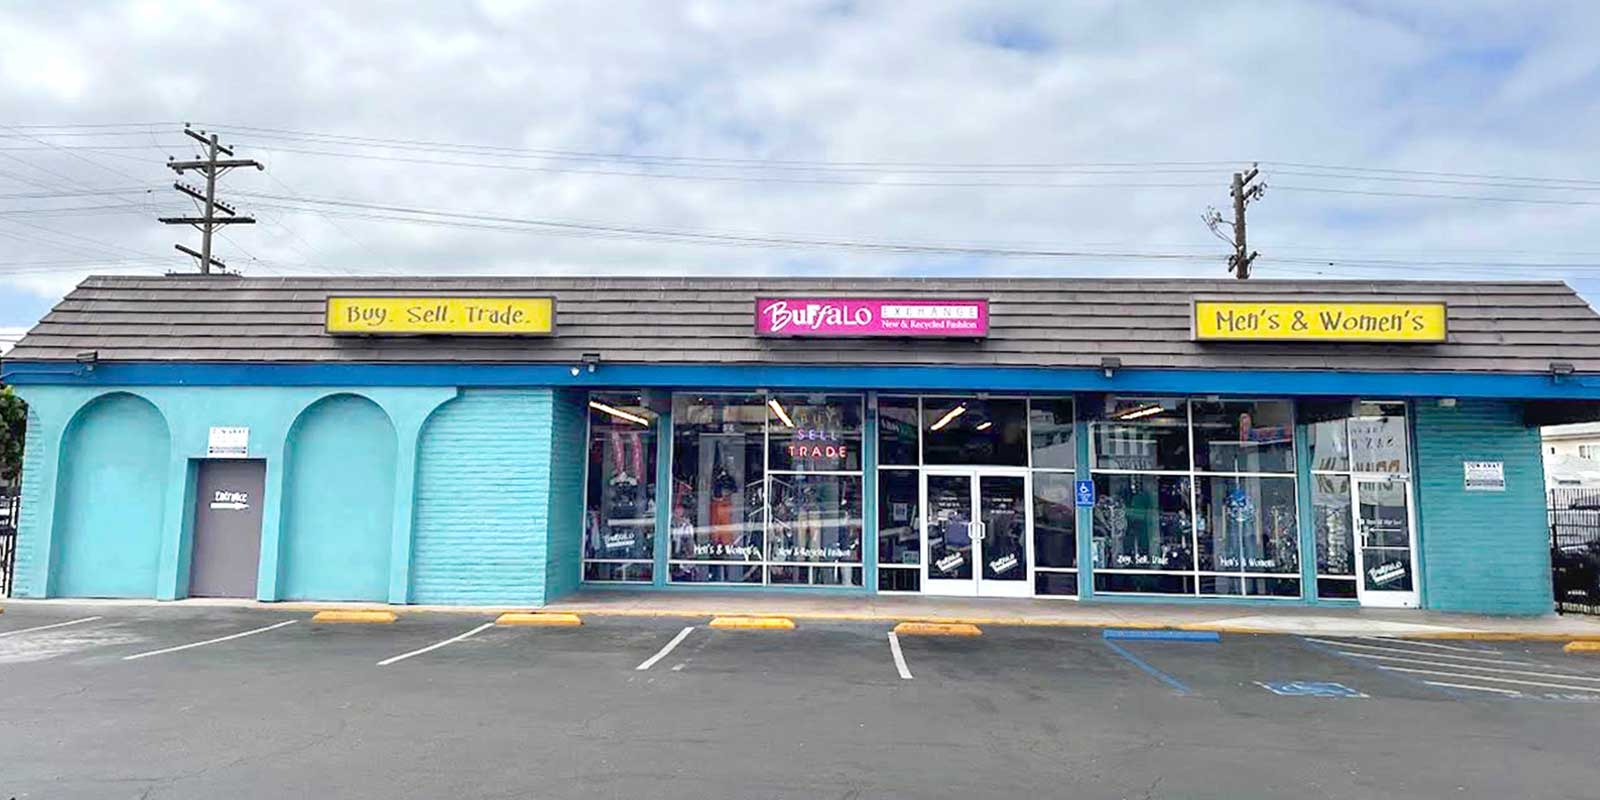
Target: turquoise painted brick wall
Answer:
pixel 563 559
pixel 1484 552
pixel 481 497
pixel 28 525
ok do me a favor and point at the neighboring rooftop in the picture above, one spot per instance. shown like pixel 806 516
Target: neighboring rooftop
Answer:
pixel 1499 327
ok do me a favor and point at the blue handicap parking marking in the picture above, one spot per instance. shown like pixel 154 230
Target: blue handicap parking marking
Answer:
pixel 1309 689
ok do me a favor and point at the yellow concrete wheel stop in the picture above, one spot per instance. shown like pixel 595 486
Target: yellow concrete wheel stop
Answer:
pixel 538 618
pixel 937 629
pixel 754 623
pixel 354 616
pixel 1582 647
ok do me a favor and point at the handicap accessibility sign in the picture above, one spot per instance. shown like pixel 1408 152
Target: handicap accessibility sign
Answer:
pixel 1309 689
pixel 1085 490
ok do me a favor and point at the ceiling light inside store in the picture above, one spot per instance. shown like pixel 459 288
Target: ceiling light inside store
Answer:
pixel 983 426
pixel 948 416
pixel 618 413
pixel 1138 412
pixel 783 416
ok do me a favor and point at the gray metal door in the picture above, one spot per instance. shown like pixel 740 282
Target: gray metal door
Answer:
pixel 227 528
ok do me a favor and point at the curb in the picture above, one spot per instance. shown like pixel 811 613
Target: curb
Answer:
pixel 537 618
pixel 754 623
pixel 338 616
pixel 937 629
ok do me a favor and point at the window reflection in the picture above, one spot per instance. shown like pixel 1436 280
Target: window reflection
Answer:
pixel 1248 525
pixel 1146 434
pixel 1243 436
pixel 1142 522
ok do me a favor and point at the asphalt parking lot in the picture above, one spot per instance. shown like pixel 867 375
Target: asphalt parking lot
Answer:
pixel 204 702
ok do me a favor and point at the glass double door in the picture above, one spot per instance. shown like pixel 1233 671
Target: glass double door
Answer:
pixel 1385 551
pixel 975 532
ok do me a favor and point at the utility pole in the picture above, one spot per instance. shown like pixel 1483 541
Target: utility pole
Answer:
pixel 1242 191
pixel 208 221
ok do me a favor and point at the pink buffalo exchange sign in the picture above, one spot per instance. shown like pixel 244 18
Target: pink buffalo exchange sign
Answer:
pixel 850 316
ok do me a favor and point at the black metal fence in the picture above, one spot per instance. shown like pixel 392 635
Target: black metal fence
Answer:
pixel 1575 549
pixel 10 511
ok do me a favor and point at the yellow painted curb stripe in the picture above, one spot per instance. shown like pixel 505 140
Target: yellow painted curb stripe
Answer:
pixel 1582 647
pixel 937 629
pixel 529 618
pixel 354 616
pixel 754 623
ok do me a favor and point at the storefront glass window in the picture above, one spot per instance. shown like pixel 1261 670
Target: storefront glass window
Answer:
pixel 1144 434
pixel 767 489
pixel 1055 529
pixel 897 432
pixel 718 471
pixel 1050 429
pixel 1215 518
pixel 1248 525
pixel 899 531
pixel 620 512
pixel 1243 436
pixel 814 433
pixel 972 431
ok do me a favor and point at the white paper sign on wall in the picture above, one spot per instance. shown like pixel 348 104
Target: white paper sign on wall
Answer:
pixel 1484 476
pixel 228 442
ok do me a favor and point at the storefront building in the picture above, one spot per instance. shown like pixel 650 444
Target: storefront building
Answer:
pixel 506 441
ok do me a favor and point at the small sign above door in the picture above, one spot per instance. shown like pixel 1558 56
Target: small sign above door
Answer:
pixel 228 442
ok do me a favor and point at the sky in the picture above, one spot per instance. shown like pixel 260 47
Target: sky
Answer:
pixel 1396 140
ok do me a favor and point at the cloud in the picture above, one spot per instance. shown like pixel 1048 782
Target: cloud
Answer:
pixel 1457 88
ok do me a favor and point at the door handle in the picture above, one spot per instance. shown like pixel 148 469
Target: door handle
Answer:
pixel 978 531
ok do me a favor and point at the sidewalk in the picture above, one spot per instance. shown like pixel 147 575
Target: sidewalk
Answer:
pixel 1069 613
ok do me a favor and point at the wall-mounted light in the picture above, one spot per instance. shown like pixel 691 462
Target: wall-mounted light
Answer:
pixel 1561 369
pixel 948 417
pixel 1109 365
pixel 88 356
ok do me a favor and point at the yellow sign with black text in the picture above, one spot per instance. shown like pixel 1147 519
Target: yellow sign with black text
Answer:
pixel 449 316
pixel 1251 321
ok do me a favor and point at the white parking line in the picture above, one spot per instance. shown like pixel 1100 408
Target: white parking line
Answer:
pixel 48 627
pixel 1496 680
pixel 208 641
pixel 676 640
pixel 899 657
pixel 436 645
pixel 1421 643
pixel 1337 643
pixel 1423 662
pixel 1511 692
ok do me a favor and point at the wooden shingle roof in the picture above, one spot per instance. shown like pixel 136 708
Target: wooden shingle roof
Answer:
pixel 1500 327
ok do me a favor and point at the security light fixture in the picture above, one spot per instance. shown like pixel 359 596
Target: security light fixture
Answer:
pixel 590 361
pixel 1561 369
pixel 1110 365
pixel 88 356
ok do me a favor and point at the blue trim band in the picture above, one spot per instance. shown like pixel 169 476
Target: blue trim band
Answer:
pixel 900 378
